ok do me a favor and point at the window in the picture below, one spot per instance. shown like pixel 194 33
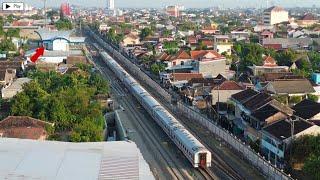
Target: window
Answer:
pixel 182 63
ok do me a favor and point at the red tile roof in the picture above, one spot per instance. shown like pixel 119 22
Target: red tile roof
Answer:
pixel 202 53
pixel 269 61
pixel 273 46
pixel 185 76
pixel 23 127
pixel 207 42
pixel 229 85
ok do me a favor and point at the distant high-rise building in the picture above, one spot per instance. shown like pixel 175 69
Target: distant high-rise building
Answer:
pixel 173 11
pixel 65 9
pixel 110 4
pixel 275 15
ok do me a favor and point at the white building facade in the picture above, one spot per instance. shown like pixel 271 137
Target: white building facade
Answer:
pixel 275 15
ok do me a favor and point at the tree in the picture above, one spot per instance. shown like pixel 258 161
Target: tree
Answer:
pixel 63 24
pixel 13 32
pixel 145 32
pixel 285 58
pixel 312 97
pixel 86 131
pixel 66 100
pixel 312 166
pixel 1 26
pixel 7 45
pixel 156 68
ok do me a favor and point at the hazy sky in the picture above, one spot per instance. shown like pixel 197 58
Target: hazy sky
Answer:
pixel 186 3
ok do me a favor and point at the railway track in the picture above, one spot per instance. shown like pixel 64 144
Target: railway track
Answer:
pixel 225 169
pixel 145 128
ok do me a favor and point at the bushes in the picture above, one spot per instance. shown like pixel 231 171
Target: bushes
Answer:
pixel 313 97
pixel 65 100
pixel 295 99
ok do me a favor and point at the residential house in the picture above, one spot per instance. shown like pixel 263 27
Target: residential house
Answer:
pixel 269 66
pixel 254 110
pixel 307 109
pixel 240 34
pixel 24 127
pixel 307 20
pixel 179 80
pixel 265 35
pixel 222 44
pixel 285 43
pixel 209 30
pixel 181 59
pixel 223 92
pixel 290 88
pixel 277 137
pixel 130 39
pixel 209 62
pixel 207 43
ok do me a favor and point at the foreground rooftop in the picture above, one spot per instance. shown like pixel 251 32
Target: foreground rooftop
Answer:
pixel 31 159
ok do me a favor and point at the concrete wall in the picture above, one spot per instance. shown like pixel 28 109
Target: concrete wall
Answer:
pixel 212 68
pixel 224 95
pixel 60 45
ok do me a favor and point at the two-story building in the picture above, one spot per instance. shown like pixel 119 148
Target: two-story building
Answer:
pixel 222 44
pixel 277 137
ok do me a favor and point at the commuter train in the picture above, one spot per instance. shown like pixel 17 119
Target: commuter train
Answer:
pixel 195 152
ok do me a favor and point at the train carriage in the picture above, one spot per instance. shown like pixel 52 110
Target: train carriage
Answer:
pixel 195 152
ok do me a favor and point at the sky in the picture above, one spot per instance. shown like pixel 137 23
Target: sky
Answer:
pixel 186 3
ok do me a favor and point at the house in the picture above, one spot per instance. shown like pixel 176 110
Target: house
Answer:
pixel 24 127
pixel 14 88
pixel 7 76
pixel 277 137
pixel 207 43
pixel 300 87
pixel 240 34
pixel 209 62
pixel 307 20
pixel 269 66
pixel 209 30
pixel 222 44
pixel 265 35
pixel 130 39
pixel 286 43
pixel 181 58
pixel 307 109
pixel 254 110
pixel 223 92
pixel 178 80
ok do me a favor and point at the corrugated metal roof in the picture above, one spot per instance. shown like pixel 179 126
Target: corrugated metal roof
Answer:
pixel 31 159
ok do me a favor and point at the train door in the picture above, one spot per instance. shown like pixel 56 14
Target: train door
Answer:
pixel 203 159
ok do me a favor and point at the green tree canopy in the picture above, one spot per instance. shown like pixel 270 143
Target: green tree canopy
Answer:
pixel 145 32
pixel 64 24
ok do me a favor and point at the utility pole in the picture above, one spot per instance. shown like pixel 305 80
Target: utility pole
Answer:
pixel 45 12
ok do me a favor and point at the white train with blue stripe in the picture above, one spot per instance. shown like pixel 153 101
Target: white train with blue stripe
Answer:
pixel 196 153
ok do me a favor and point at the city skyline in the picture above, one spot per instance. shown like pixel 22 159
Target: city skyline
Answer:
pixel 186 3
